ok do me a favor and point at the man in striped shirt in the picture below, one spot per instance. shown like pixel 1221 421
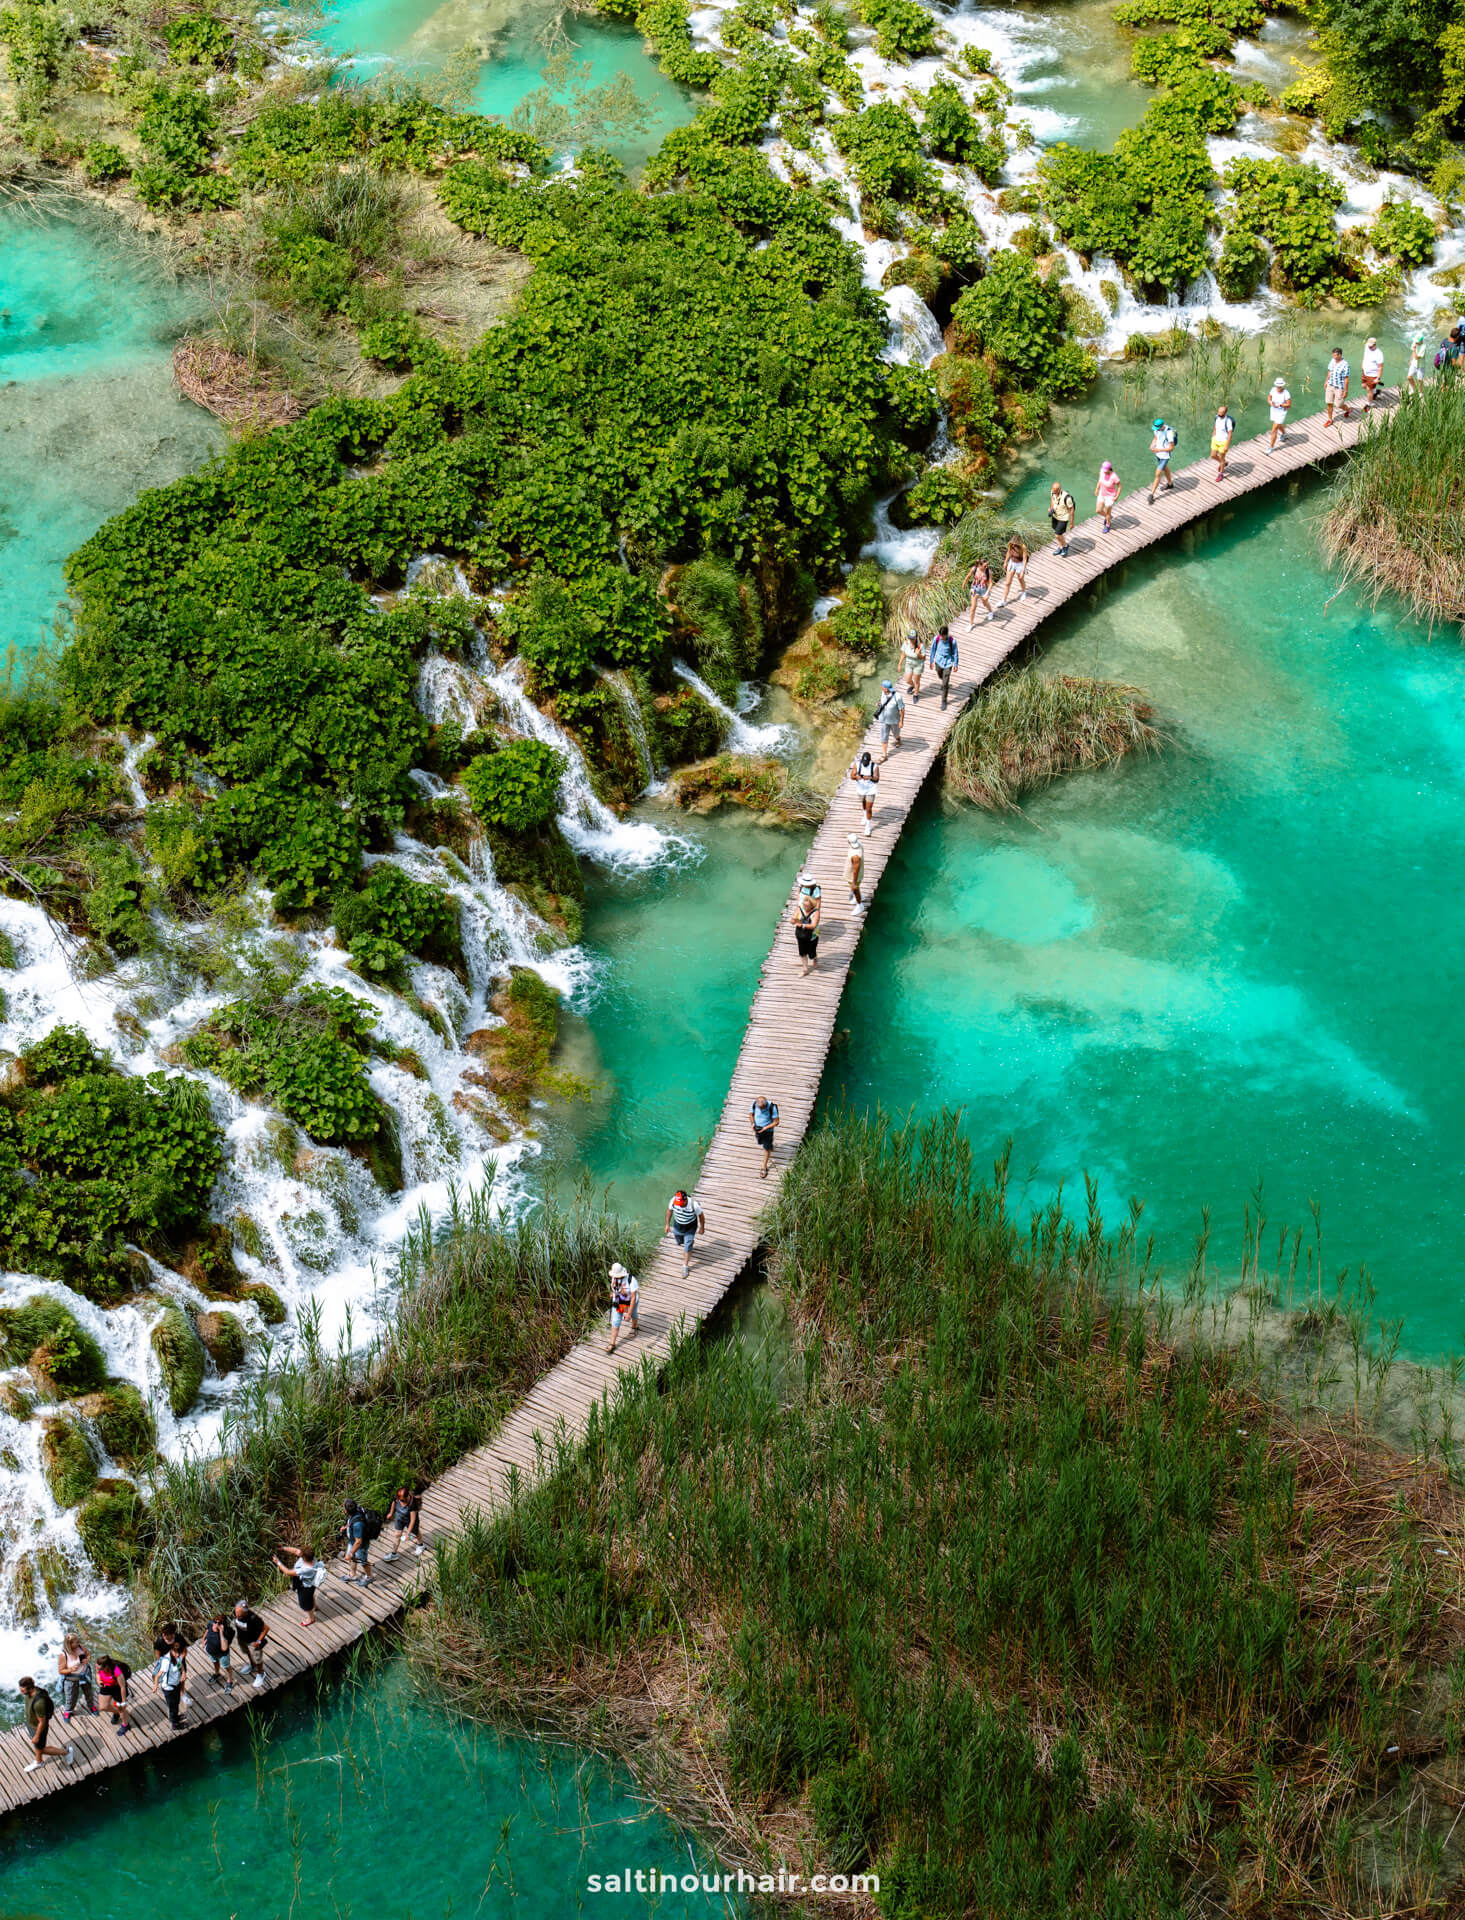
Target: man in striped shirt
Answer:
pixel 684 1221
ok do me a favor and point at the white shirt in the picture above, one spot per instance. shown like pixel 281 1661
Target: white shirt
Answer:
pixel 307 1572
pixel 1373 363
pixel 630 1288
pixel 1279 399
pixel 1222 427
pixel 1337 374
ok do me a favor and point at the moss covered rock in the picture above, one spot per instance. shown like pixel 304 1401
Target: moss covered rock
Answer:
pixel 62 1356
pixel 223 1337
pixel 181 1356
pixel 271 1306
pixel 111 1526
pixel 542 870
pixel 68 1462
pixel 124 1422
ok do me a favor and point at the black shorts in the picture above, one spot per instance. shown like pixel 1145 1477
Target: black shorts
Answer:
pixel 764 1137
pixel 304 1594
pixel 808 939
pixel 41 1737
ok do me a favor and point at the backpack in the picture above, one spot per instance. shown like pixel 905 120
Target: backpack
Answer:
pixel 371 1523
pixel 1439 358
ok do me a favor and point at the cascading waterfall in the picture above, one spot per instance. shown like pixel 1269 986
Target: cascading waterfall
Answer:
pixel 635 725
pixel 743 736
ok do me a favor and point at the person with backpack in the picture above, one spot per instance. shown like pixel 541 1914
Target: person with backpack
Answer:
pixel 864 777
pixel 1448 357
pixel 218 1638
pixel 74 1668
pixel 889 716
pixel 684 1221
pixel 356 1534
pixel 625 1301
pixel 405 1515
pixel 1162 445
pixel 251 1631
pixel 1372 370
pixel 305 1577
pixel 944 660
pixel 1062 512
pixel 1223 430
pixel 170 1675
pixel 112 1678
pixel 40 1710
pixel 763 1118
pixel 807 909
pixel 1278 402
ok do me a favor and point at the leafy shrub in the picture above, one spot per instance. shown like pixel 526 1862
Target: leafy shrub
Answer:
pixel 63 1357
pixel 720 617
pixel 389 915
pixel 393 341
pixel 198 39
pixel 883 147
pixel 664 23
pixel 965 388
pixel 686 727
pixel 68 1462
pixel 103 162
pixel 952 132
pixel 1403 231
pixel 858 622
pixel 179 128
pixel 903 29
pixel 38 37
pixel 910 394
pixel 125 1424
pixel 1292 206
pixel 516 787
pixel 1014 314
pixel 1242 263
pixel 115 898
pixel 305 1051
pixel 112 1525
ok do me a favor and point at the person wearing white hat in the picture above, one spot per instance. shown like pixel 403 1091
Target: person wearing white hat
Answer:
pixel 854 866
pixel 1414 379
pixel 1278 401
pixel 808 902
pixel 625 1296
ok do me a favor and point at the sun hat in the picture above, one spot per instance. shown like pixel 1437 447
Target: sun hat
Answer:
pixel 854 840
pixel 1106 468
pixel 1370 341
pixel 618 1272
pixel 888 683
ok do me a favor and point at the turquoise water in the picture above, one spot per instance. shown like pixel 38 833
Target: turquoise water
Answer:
pixel 353 1798
pixel 510 43
pixel 88 412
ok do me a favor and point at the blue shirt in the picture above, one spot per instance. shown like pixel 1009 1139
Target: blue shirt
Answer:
pixel 943 652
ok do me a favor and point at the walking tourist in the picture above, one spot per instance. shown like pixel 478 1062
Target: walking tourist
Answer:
pixel 1414 378
pixel 1335 387
pixel 1162 445
pixel 170 1674
pixel 1450 349
pixel 1015 567
pixel 74 1665
pixel 808 905
pixel 1371 370
pixel 979 581
pixel 405 1516
pixel 854 866
pixel 1278 402
pixel 763 1118
pixel 625 1296
pixel 355 1534
pixel 913 664
pixel 1106 494
pixel 305 1577
pixel 1061 515
pixel 169 1640
pixel 218 1639
pixel 889 717
pixel 684 1221
pixel 945 658
pixel 251 1632
pixel 39 1711
pixel 112 1678
pixel 1223 429
pixel 865 778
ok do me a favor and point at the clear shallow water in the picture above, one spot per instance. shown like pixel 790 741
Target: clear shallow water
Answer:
pixel 361 1798
pixel 88 412
pixel 506 36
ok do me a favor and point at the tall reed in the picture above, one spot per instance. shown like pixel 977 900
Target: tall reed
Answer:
pixel 1026 728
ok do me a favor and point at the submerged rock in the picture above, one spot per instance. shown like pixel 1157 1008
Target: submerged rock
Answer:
pixel 181 1356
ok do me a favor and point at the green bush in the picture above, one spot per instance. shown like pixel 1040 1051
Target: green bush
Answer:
pixel 38 37
pixel 952 132
pixel 103 162
pixel 1242 263
pixel 199 40
pixel 125 1424
pixel 180 1357
pixel 1292 206
pixel 1403 231
pixel 304 1050
pixel 517 786
pixel 719 616
pixel 965 388
pixel 388 916
pixel 883 147
pixel 112 1525
pixel 393 341
pixel 1014 314
pixel 903 29
pixel 68 1462
pixel 858 622
pixel 42 1334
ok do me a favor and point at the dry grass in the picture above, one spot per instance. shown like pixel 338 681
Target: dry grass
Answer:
pixel 1026 728
pixel 1394 521
pixel 231 386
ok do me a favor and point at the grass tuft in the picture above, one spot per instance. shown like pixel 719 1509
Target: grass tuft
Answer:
pixel 1026 728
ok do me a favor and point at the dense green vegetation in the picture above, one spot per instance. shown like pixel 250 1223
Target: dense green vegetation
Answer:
pixel 1026 728
pixel 1394 512
pixel 984 1584
pixel 92 1158
pixel 483 1308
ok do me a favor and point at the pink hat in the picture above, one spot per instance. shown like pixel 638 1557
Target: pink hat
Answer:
pixel 1106 468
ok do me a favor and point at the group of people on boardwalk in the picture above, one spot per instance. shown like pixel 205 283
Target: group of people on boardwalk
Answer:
pixel 105 1687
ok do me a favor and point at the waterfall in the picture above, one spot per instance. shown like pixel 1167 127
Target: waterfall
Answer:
pixel 915 335
pixel 742 736
pixel 636 726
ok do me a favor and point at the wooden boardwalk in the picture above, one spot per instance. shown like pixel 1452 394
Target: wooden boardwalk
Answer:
pixel 788 1034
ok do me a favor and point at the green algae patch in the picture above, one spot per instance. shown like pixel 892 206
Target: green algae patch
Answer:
pixel 111 1524
pixel 181 1357
pixel 68 1461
